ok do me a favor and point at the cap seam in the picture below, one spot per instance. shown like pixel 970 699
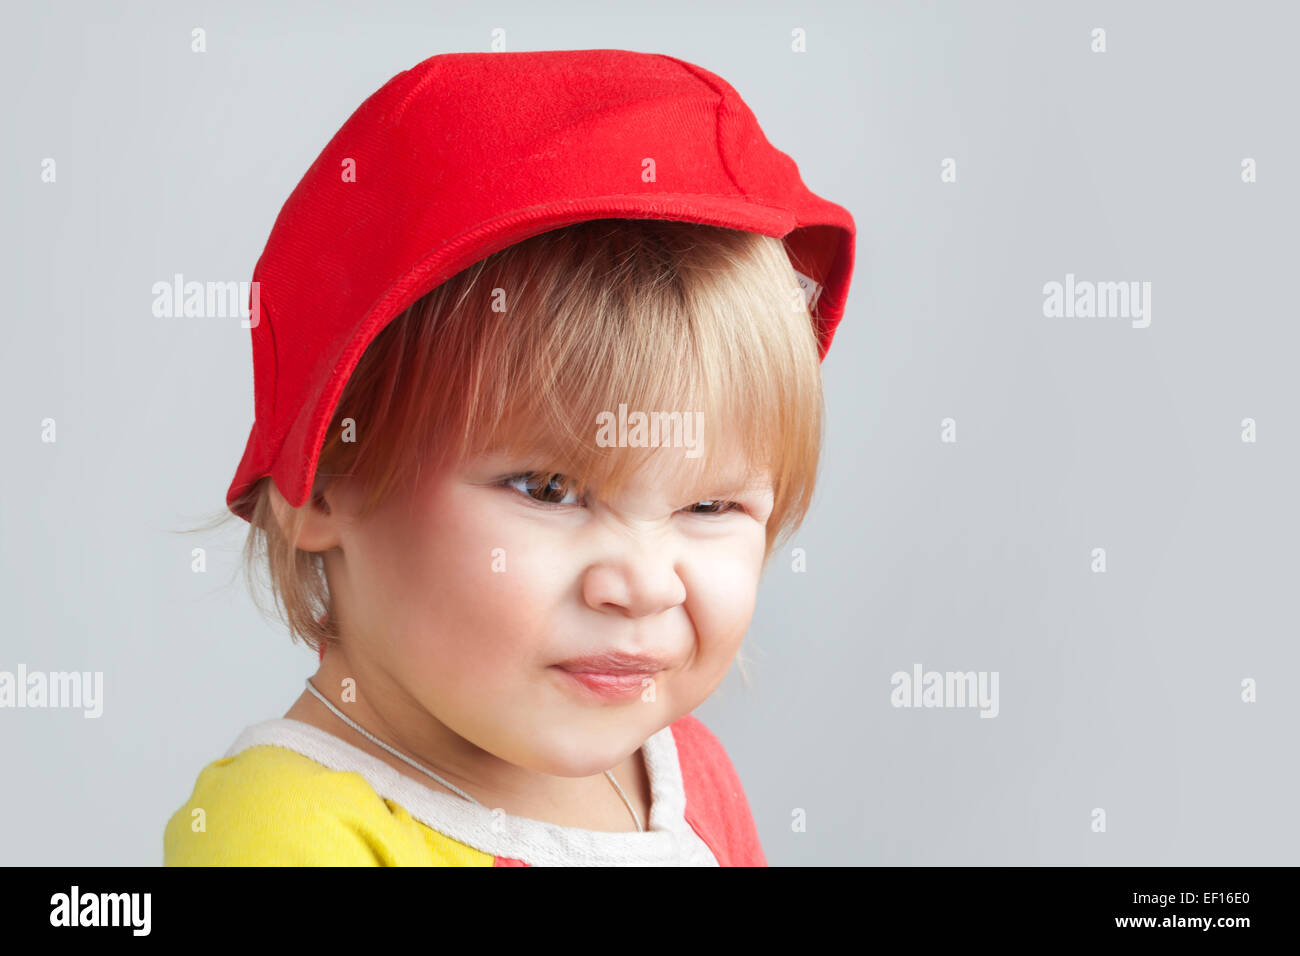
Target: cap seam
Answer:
pixel 721 94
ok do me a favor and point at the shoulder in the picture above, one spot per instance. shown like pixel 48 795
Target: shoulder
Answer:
pixel 716 806
pixel 700 752
pixel 270 806
pixel 693 737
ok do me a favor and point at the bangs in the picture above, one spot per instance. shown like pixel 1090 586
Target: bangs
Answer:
pixel 597 351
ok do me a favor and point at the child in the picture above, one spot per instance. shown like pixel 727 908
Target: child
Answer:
pixel 536 349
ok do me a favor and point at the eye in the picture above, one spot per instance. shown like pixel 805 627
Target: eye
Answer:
pixel 723 507
pixel 543 488
pixel 548 485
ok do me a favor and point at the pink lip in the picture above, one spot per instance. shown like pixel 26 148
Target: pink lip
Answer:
pixel 612 676
pixel 614 663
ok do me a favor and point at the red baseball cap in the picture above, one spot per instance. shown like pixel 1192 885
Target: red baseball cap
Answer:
pixel 467 153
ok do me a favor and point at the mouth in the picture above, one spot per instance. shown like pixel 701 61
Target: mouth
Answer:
pixel 611 676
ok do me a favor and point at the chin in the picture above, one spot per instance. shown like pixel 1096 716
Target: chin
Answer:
pixel 579 754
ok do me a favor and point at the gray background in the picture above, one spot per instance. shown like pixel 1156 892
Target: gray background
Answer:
pixel 1118 690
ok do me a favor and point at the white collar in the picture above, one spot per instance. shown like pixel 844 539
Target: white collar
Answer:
pixel 668 841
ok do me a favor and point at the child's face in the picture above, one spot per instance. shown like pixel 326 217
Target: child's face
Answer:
pixel 468 599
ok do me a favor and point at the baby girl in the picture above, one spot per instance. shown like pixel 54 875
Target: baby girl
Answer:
pixel 517 606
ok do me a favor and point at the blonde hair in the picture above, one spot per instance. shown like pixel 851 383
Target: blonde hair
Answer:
pixel 522 350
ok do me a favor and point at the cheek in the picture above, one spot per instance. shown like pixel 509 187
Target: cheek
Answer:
pixel 480 589
pixel 722 592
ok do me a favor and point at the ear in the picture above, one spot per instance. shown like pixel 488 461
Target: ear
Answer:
pixel 317 523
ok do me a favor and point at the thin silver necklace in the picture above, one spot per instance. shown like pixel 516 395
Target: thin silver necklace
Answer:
pixel 450 786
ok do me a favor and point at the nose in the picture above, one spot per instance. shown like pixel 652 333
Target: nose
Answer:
pixel 637 583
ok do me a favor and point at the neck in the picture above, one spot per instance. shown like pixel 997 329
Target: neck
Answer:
pixel 387 711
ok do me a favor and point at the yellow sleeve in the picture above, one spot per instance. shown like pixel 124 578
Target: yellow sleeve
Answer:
pixel 269 806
